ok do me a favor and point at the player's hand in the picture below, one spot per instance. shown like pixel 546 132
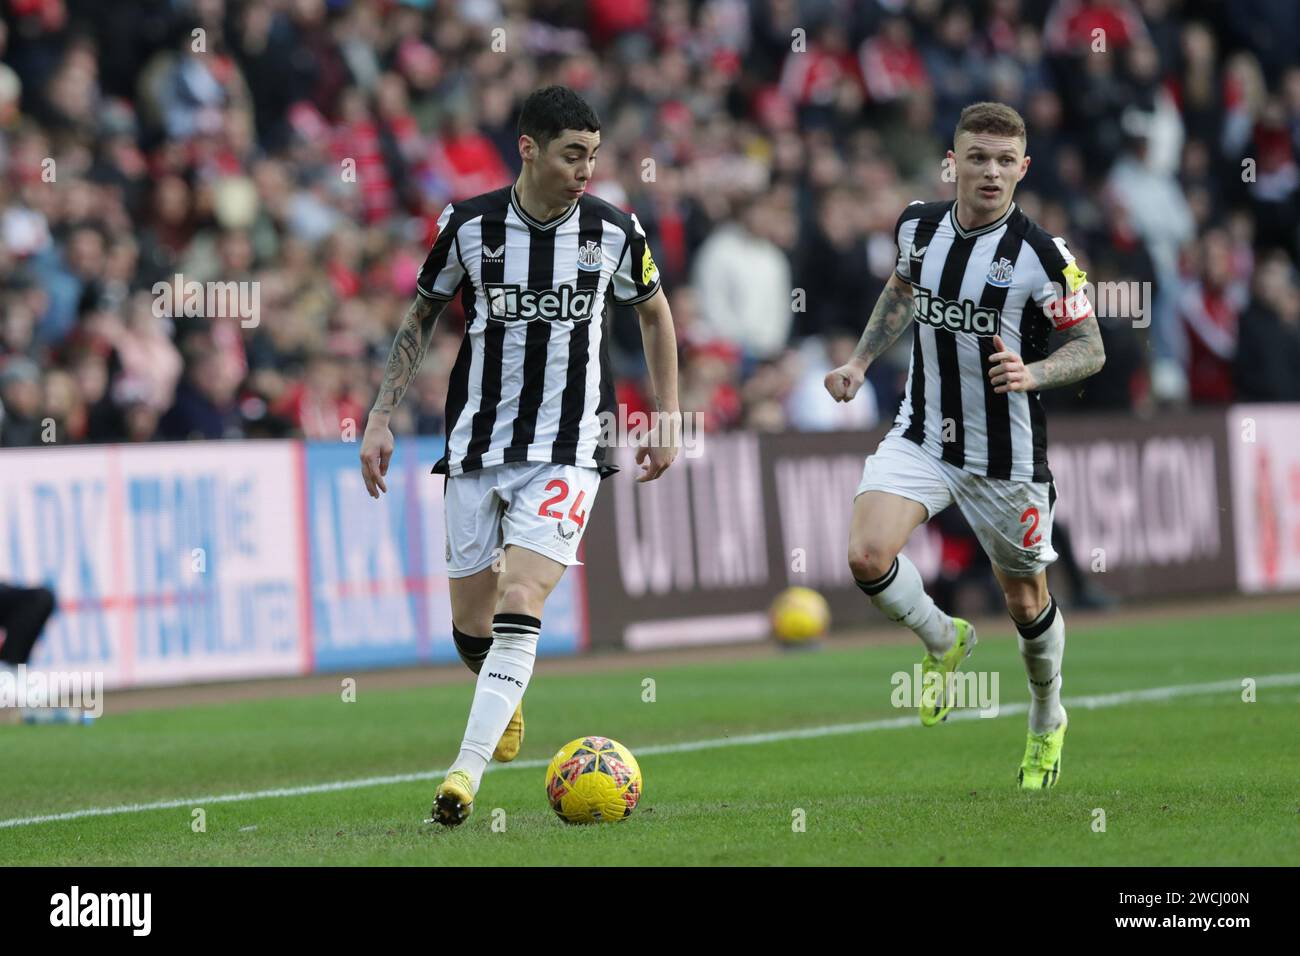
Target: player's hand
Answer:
pixel 843 383
pixel 659 446
pixel 1008 373
pixel 376 450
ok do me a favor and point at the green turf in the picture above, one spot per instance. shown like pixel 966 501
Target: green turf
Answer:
pixel 1206 779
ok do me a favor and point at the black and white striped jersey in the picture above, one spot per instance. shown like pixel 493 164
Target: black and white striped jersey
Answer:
pixel 1010 278
pixel 532 379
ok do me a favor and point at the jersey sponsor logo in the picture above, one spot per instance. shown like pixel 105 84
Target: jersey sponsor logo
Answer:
pixel 591 256
pixel 494 255
pixel 510 303
pixel 919 251
pixel 1000 273
pixel 649 271
pixel 963 316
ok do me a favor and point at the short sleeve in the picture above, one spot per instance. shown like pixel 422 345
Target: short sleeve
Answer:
pixel 904 231
pixel 1063 294
pixel 442 271
pixel 637 277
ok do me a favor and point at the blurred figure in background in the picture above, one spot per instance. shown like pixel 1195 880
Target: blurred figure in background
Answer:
pixel 24 612
pixel 1267 367
pixel 742 279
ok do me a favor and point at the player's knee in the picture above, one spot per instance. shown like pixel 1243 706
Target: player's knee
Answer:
pixel 521 597
pixel 869 562
pixel 1024 605
pixel 478 625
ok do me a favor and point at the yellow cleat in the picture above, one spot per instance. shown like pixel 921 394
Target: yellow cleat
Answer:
pixel 934 702
pixel 453 801
pixel 1042 761
pixel 513 738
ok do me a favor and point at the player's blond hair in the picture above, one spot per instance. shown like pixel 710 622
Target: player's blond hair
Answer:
pixel 996 119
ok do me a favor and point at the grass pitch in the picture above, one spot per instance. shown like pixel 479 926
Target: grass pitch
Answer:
pixel 1188 776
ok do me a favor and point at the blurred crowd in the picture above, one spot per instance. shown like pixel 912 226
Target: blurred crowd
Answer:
pixel 768 146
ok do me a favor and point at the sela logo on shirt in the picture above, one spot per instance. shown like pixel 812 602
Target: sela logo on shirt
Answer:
pixel 507 678
pixel 510 303
pixel 591 257
pixel 963 316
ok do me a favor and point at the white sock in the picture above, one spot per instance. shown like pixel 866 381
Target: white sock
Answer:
pixel 1042 645
pixel 501 685
pixel 900 595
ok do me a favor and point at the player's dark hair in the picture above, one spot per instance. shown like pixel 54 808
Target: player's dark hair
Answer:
pixel 551 110
pixel 996 119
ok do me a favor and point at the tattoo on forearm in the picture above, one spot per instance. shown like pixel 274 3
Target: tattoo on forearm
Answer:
pixel 408 352
pixel 1075 359
pixel 891 315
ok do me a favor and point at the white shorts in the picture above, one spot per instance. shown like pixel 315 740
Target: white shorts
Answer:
pixel 534 505
pixel 1012 519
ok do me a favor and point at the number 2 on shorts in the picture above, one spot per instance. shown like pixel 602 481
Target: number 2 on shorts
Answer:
pixel 561 489
pixel 1031 515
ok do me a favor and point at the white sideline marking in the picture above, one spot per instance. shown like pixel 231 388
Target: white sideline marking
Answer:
pixel 1094 702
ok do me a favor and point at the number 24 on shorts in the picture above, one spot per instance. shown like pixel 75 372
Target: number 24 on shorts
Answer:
pixel 561 489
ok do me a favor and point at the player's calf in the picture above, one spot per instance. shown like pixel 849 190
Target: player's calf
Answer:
pixel 901 597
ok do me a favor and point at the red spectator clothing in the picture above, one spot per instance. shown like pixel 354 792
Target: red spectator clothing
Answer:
pixel 317 417
pixel 360 142
pixel 344 281
pixel 957 554
pixel 1210 316
pixel 1277 174
pixel 815 76
pixel 670 247
pixel 472 165
pixel 630 398
pixel 724 408
pixel 1071 24
pixel 890 72
pixel 607 19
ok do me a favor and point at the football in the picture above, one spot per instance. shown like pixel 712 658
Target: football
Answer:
pixel 593 780
pixel 800 616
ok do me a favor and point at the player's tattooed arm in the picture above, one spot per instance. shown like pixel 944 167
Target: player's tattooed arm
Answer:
pixel 892 314
pixel 407 353
pixel 1079 355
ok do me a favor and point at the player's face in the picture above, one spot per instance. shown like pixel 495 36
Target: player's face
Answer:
pixel 562 170
pixel 988 169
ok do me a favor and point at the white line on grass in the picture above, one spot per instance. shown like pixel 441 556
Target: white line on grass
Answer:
pixel 1094 702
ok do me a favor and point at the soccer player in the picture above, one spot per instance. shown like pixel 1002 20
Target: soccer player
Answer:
pixel 535 264
pixel 986 286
